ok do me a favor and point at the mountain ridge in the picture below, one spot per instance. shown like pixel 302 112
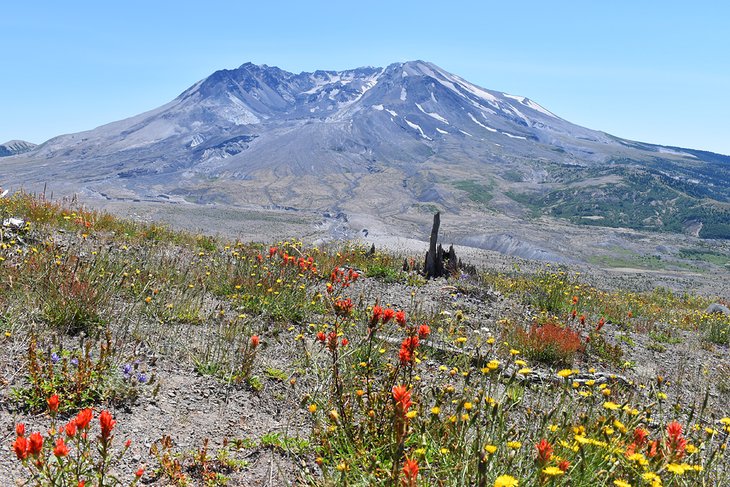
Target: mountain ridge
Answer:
pixel 334 140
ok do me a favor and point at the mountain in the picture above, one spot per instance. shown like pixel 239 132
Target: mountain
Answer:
pixel 14 147
pixel 394 143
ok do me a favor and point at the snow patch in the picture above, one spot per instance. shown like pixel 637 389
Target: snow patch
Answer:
pixel 665 150
pixel 433 115
pixel 197 140
pixel 403 94
pixel 392 112
pixel 417 127
pixel 513 136
pixel 520 99
pixel 466 133
pixel 531 104
pixel 378 107
pixel 473 118
pixel 441 131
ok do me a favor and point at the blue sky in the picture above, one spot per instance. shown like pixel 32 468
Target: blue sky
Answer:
pixel 654 71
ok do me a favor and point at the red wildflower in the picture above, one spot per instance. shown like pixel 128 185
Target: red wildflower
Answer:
pixel 139 473
pixel 573 314
pixel 61 450
pixel 407 347
pixel 272 251
pixel 410 472
pixel 53 403
pixel 127 443
pixel 107 424
pixel 345 341
pixel 255 340
pixel 424 331
pixel 377 314
pixel 405 356
pixel 653 448
pixel 388 315
pixel 70 429
pixel 544 451
pixel 582 319
pixel 83 418
pixel 575 299
pixel 564 465
pixel 674 430
pixel 402 397
pixel 400 317
pixel 35 443
pixel 343 307
pixel 20 447
pixel 321 336
pixel 82 483
pixel 640 436
pixel 601 322
pixel 20 429
pixel 332 341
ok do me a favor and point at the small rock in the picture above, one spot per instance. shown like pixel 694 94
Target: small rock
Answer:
pixel 718 308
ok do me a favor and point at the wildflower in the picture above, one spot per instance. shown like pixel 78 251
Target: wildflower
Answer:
pixel 524 370
pixel 601 322
pixel 377 314
pixel 611 405
pixel 490 449
pixel 676 468
pixel 343 307
pixel 312 408
pixel 35 444
pixel 83 419
pixel 20 429
pixel 424 331
pixel 514 352
pixel 544 451
pixel 400 317
pixel 410 472
pixel 321 336
pixel 506 481
pixel 70 429
pixel 653 479
pixel 142 378
pixel 20 447
pixel 515 445
pixel 388 315
pixel 402 397
pixel 139 473
pixel 55 358
pixel 53 403
pixel 565 373
pixel 61 450
pixel 435 410
pixel 621 483
pixel 553 471
pixel 564 465
pixel 255 340
pixel 107 424
pixel 407 348
pixel 344 342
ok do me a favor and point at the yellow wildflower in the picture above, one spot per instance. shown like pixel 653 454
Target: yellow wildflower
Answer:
pixel 506 481
pixel 552 471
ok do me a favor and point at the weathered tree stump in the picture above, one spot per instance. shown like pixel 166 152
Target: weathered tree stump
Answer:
pixel 437 262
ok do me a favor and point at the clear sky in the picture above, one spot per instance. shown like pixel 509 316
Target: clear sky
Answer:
pixel 651 70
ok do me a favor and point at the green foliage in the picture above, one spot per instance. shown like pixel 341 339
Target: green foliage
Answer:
pixel 477 192
pixel 76 376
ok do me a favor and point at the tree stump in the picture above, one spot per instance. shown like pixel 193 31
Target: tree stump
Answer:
pixel 437 262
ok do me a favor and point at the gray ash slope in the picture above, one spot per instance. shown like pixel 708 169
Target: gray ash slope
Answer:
pixel 405 139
